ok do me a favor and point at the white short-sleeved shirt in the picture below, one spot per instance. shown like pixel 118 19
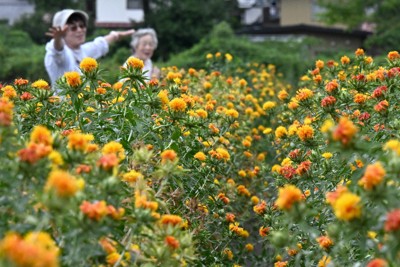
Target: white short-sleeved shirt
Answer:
pixel 59 62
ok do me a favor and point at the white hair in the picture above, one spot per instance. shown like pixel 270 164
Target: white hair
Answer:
pixel 142 32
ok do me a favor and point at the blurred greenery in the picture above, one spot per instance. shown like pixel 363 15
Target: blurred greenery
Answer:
pixel 20 56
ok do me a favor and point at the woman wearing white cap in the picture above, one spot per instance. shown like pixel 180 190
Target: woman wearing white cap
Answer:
pixel 67 47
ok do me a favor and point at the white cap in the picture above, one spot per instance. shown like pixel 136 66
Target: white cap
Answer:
pixel 61 17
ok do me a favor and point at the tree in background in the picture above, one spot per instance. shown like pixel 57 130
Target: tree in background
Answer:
pixel 383 15
pixel 181 24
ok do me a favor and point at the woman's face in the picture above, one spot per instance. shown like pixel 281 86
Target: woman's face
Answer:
pixel 145 47
pixel 76 34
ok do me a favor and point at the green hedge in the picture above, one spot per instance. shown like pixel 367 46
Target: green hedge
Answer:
pixel 21 57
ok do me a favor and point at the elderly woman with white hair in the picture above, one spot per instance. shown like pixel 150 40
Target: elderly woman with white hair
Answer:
pixel 144 42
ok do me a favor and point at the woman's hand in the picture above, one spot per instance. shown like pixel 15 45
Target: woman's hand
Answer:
pixel 114 36
pixel 57 33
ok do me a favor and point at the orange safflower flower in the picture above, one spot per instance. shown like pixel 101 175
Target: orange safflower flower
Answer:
pixel 345 131
pixel 281 264
pixel 283 94
pixel 328 101
pixel 88 64
pixel 207 85
pixel 132 176
pixel 192 72
pixel 213 128
pixel 287 171
pixel 240 231
pixel 83 168
pixel 170 219
pixel 200 156
pixel 41 135
pixel 332 86
pixel 94 211
pixel 242 190
pixel 319 64
pixel 223 154
pixel 347 207
pixel 373 176
pixel 223 198
pixel 317 78
pixel 9 92
pixel 101 90
pixel 20 82
pixel 232 113
pixel 25 96
pixel 382 106
pixel 280 132
pixel 360 98
pixel 242 83
pixel 79 141
pixel 73 78
pixel 359 52
pixel 163 96
pixel 305 132
pixel 172 242
pixel 108 161
pixel 230 217
pixel 304 94
pixel 392 222
pixel 303 167
pixel 116 214
pixel 35 249
pixel 293 104
pixel 331 63
pixel 141 202
pixel 34 152
pixel 202 113
pixel 260 208
pixel 287 196
pixel 108 245
pixel 168 155
pixel 345 60
pixel 41 84
pixel 379 91
pixel 113 258
pixel 393 55
pixel 228 253
pixel 269 105
pixel 263 231
pixel 114 147
pixel 393 145
pixel 324 262
pixel 324 242
pixel 177 104
pixel 63 183
pixel 378 263
pixel 135 63
pixel 249 247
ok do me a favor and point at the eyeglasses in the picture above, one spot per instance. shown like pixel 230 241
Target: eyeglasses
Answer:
pixel 74 27
pixel 144 44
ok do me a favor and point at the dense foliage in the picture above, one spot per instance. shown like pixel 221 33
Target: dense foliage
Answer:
pixel 226 165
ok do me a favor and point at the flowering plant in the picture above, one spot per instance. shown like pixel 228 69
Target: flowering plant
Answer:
pixel 224 166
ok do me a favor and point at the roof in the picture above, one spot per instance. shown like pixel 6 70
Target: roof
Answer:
pixel 301 29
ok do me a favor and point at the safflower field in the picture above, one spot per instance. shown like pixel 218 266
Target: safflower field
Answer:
pixel 224 166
